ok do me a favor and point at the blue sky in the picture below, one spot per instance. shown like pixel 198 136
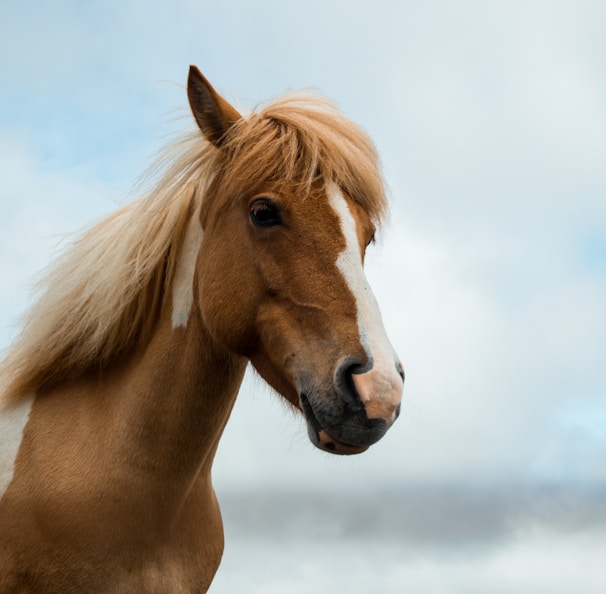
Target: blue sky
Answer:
pixel 490 119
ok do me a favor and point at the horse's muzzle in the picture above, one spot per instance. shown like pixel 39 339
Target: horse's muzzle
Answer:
pixel 350 432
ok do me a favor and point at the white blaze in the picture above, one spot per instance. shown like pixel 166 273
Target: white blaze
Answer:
pixel 183 283
pixel 370 324
pixel 12 423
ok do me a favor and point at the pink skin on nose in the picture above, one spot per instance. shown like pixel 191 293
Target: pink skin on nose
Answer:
pixel 380 392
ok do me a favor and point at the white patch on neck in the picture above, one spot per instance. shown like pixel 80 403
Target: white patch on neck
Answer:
pixel 12 423
pixel 183 283
pixel 370 324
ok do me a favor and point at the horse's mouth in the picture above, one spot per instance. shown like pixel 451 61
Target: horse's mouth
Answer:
pixel 321 438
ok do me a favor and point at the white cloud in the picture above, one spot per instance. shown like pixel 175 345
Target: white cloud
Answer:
pixel 39 208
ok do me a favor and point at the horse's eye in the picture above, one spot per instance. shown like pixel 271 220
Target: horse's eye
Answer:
pixel 264 213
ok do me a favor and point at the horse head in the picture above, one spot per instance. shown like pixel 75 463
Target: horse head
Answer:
pixel 286 222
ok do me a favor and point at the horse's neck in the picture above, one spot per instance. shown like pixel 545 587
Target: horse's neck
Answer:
pixel 147 427
pixel 175 398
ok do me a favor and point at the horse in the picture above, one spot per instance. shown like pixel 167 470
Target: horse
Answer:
pixel 247 246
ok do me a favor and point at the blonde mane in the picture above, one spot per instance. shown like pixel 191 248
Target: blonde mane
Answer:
pixel 102 297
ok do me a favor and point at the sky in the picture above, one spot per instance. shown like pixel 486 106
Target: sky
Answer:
pixel 490 120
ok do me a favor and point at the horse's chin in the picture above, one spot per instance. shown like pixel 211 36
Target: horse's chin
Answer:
pixel 328 444
pixel 322 439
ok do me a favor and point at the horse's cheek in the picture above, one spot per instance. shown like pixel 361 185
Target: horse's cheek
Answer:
pixel 229 310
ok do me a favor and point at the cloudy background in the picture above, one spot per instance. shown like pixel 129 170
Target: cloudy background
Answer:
pixel 490 118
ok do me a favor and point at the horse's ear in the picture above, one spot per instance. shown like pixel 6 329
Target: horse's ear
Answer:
pixel 214 115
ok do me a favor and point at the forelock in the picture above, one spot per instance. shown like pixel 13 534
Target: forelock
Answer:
pixel 298 139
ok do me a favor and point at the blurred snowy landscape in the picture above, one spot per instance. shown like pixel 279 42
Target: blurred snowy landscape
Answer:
pixel 435 540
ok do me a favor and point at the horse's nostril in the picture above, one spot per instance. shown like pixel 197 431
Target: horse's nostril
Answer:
pixel 345 384
pixel 397 413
